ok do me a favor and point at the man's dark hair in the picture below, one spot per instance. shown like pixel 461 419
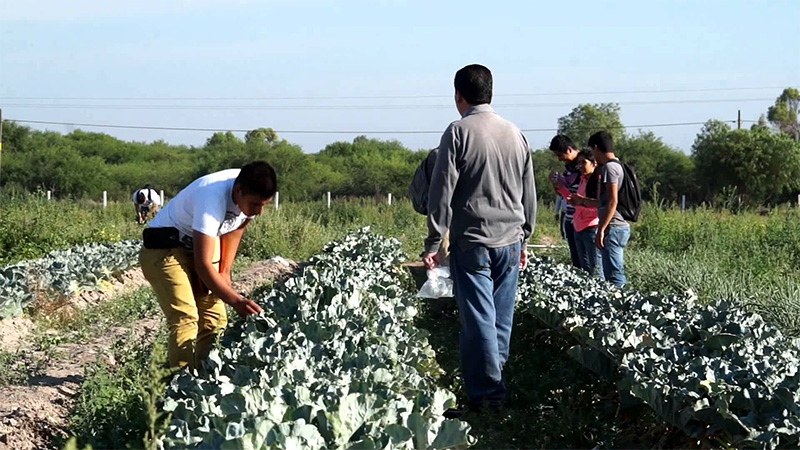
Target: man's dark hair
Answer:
pixel 603 141
pixel 258 178
pixel 474 83
pixel 587 155
pixel 560 143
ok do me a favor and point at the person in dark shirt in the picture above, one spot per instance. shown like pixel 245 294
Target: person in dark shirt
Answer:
pixel 565 151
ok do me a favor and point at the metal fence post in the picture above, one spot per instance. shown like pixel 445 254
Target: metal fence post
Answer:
pixel 683 202
pixel 329 200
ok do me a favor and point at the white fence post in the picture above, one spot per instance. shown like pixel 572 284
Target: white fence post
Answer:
pixel 162 198
pixel 390 199
pixel 798 200
pixel 105 199
pixel 48 195
pixel 277 200
pixel 329 199
pixel 683 202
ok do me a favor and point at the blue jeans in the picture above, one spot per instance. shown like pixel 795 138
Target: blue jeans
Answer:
pixel 590 256
pixel 616 239
pixel 569 234
pixel 485 283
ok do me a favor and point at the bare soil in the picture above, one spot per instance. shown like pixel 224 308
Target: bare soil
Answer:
pixel 13 332
pixel 261 272
pixel 32 415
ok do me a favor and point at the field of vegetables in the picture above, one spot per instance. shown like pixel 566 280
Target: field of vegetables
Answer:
pixel 346 357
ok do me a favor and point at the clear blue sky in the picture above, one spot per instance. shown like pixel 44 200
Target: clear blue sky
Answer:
pixel 248 50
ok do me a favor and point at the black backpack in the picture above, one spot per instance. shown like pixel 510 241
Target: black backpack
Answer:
pixel 629 195
pixel 421 183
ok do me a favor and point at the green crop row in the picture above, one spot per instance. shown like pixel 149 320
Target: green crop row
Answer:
pixel 725 377
pixel 333 362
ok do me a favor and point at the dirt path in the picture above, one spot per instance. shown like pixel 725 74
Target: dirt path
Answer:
pixel 32 414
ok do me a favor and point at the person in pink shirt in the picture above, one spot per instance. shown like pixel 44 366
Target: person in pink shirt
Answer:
pixel 585 219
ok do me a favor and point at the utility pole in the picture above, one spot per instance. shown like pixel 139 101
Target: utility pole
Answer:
pixel 739 121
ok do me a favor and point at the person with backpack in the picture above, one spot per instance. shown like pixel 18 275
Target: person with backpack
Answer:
pixel 145 201
pixel 620 201
pixel 585 219
pixel 418 192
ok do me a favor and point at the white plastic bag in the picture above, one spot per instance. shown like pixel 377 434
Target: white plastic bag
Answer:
pixel 438 285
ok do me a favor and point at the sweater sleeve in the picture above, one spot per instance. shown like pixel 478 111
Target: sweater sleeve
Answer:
pixel 443 183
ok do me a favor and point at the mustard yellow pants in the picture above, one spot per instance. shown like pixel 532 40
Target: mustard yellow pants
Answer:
pixel 194 315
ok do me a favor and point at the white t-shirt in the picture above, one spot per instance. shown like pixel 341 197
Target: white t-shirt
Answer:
pixel 154 197
pixel 206 205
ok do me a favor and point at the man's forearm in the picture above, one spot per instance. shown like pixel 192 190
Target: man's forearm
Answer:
pixel 609 214
pixel 229 245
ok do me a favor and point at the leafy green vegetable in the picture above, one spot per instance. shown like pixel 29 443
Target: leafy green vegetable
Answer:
pixel 64 272
pixel 333 362
pixel 715 371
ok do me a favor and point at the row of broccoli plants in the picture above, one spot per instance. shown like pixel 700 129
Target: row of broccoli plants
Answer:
pixel 722 375
pixel 64 272
pixel 333 362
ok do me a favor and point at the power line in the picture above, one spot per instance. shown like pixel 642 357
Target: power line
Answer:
pixel 353 107
pixel 144 127
pixel 386 97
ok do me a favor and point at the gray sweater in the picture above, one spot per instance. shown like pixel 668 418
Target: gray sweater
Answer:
pixel 482 186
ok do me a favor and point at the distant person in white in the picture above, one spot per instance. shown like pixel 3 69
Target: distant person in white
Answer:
pixel 189 248
pixel 145 201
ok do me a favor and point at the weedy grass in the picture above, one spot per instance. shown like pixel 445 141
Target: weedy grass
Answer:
pixel 750 259
pixel 31 225
pixel 78 325
pixel 118 406
pixel 17 367
pixel 299 230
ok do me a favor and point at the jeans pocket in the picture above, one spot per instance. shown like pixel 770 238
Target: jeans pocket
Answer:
pixel 513 254
pixel 474 259
pixel 618 236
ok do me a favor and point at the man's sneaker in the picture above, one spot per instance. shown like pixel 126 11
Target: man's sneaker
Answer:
pixel 455 413
pixel 494 406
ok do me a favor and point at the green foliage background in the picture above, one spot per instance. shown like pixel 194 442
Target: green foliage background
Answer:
pixel 757 166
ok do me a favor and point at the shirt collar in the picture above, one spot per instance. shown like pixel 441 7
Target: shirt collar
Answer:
pixel 477 109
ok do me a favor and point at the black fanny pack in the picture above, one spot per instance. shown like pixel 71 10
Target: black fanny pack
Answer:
pixel 161 238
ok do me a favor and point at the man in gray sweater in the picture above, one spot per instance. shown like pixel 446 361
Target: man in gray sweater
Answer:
pixel 483 190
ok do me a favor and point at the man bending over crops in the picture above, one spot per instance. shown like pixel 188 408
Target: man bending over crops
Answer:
pixel 145 201
pixel 189 249
pixel 482 189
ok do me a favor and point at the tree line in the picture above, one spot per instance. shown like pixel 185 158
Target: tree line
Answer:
pixel 758 165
